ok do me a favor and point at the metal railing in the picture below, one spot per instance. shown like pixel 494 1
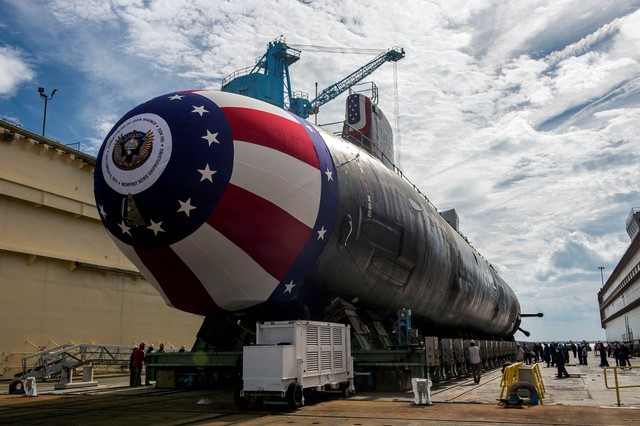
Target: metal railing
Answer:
pixel 50 362
pixel 617 385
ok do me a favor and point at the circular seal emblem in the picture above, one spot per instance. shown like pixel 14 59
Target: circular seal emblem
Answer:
pixel 132 150
pixel 140 151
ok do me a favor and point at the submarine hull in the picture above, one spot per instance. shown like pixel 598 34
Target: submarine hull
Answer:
pixel 228 204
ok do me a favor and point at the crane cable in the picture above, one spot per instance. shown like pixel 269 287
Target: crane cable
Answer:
pixel 397 143
pixel 337 49
pixel 361 51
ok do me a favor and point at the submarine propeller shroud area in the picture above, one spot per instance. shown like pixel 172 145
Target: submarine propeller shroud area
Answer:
pixel 227 204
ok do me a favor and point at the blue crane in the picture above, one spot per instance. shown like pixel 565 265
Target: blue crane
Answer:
pixel 269 79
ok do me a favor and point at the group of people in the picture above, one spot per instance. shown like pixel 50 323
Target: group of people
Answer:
pixel 137 360
pixel 550 352
pixel 534 352
pixel 619 351
pixel 557 355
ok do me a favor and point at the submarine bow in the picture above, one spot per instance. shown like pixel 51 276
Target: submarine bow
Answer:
pixel 226 204
pixel 231 193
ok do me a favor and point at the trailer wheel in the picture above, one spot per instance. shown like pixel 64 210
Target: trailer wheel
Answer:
pixel 242 402
pixel 344 387
pixel 294 395
pixel 16 387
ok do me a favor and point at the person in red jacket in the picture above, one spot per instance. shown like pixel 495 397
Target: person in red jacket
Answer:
pixel 138 363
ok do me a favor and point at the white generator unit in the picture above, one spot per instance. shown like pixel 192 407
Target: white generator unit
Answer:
pixel 291 356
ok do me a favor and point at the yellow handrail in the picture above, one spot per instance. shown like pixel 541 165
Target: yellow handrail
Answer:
pixel 617 386
pixel 537 381
pixel 510 375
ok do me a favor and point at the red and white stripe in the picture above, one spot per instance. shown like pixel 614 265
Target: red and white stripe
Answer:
pixel 238 257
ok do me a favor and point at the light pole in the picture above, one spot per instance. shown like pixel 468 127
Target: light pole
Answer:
pixel 46 99
pixel 601 275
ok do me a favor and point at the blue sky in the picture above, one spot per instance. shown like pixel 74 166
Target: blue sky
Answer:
pixel 521 115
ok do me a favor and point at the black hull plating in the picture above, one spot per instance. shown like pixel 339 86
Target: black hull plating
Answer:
pixel 392 249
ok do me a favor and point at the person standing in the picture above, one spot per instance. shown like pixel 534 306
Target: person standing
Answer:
pixel 147 373
pixel 527 354
pixel 616 353
pixel 603 355
pixel 132 371
pixel 519 353
pixel 583 353
pixel 624 355
pixel 565 352
pixel 138 363
pixel 560 361
pixel 475 360
pixel 546 354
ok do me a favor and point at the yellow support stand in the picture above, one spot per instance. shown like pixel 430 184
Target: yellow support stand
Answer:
pixel 511 375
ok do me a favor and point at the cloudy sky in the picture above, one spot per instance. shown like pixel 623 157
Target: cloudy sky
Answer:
pixel 521 115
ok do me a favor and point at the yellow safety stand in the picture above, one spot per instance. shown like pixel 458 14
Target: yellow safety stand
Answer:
pixel 512 382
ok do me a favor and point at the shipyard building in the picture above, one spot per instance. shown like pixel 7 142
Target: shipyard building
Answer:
pixel 62 279
pixel 619 298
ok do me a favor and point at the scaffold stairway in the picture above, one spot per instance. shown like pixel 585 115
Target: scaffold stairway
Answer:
pixel 50 363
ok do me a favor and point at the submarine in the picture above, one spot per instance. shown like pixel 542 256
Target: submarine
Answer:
pixel 229 206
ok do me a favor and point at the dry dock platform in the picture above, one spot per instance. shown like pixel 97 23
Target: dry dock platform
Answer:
pixel 579 400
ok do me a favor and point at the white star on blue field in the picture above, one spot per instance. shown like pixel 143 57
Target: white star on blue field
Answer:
pixel 520 115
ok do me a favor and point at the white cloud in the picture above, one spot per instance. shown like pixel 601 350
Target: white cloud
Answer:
pixel 14 70
pixel 86 12
pixel 521 115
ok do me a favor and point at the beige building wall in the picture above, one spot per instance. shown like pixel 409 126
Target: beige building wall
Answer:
pixel 62 279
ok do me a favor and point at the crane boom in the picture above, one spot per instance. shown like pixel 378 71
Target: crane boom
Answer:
pixel 304 108
pixel 269 78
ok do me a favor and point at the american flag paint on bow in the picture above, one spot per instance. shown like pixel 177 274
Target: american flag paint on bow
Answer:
pixel 359 114
pixel 235 198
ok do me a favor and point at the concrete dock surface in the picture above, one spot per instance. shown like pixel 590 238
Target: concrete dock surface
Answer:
pixel 579 400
